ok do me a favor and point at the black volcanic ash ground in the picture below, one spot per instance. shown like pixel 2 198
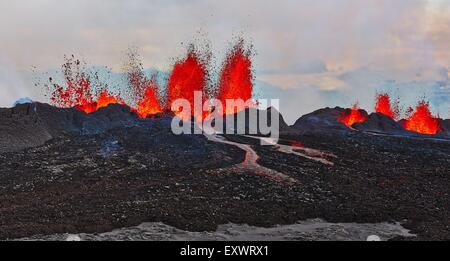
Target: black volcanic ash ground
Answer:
pixel 93 173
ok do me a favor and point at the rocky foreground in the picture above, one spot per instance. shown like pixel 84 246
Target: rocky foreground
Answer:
pixel 63 171
pixel 309 230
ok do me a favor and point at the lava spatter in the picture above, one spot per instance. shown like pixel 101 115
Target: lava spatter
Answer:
pixel 150 101
pixel 143 91
pixel 78 91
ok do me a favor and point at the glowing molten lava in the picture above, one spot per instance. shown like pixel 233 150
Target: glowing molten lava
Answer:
pixel 384 106
pixel 144 91
pixel 353 116
pixel 187 77
pixel 149 104
pixel 105 99
pixel 77 92
pixel 297 144
pixel 421 120
pixel 79 96
pixel 235 80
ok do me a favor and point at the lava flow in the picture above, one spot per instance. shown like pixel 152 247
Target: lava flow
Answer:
pixel 297 144
pixel 188 76
pixel 384 106
pixel 421 120
pixel 235 80
pixel 352 116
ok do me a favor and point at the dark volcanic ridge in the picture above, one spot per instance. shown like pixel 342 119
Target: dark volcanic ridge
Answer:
pixel 33 124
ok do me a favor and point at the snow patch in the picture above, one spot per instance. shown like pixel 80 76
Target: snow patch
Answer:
pixel 24 100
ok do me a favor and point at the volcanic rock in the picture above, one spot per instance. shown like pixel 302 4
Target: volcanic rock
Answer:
pixel 21 128
pixel 445 128
pixel 377 122
pixel 321 120
pixel 252 123
pixel 33 124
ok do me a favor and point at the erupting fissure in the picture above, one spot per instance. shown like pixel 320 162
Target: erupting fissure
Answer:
pixel 352 116
pixel 421 120
pixel 189 75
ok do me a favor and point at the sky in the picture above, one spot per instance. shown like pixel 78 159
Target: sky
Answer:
pixel 309 53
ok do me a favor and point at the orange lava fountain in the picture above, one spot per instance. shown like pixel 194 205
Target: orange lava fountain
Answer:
pixel 149 104
pixel 422 120
pixel 384 106
pixel 235 80
pixel 188 76
pixel 77 92
pixel 354 115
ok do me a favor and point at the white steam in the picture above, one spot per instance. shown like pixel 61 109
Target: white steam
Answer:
pixel 12 85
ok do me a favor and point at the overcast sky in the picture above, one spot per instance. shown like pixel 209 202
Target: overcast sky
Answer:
pixel 310 53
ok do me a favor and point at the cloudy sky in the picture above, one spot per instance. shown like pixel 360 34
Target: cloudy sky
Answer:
pixel 310 53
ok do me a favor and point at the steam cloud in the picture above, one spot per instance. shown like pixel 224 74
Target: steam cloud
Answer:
pixel 12 86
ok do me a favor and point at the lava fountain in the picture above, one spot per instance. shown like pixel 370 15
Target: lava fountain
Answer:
pixel 103 100
pixel 144 91
pixel 385 106
pixel 78 90
pixel 421 120
pixel 352 116
pixel 77 93
pixel 188 76
pixel 149 104
pixel 235 80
